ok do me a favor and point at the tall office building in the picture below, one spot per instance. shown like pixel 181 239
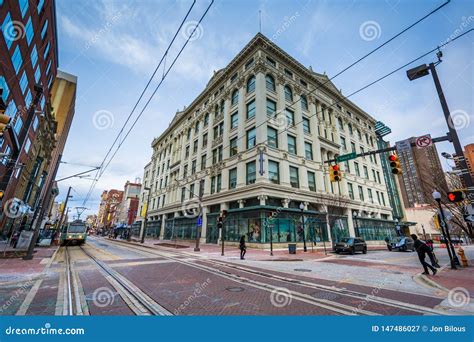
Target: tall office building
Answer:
pixel 254 143
pixel 422 173
pixel 29 59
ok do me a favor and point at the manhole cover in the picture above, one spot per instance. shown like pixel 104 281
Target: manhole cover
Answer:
pixel 301 270
pixel 235 289
pixel 325 295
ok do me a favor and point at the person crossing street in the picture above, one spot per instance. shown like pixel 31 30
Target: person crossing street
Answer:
pixel 422 249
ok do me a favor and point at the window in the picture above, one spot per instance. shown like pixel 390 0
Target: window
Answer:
pixel 294 177
pixel 303 83
pixel 373 175
pixel 361 193
pixel 188 136
pixel 306 126
pixel 290 117
pixel 218 183
pixel 185 170
pixel 233 146
pixel 288 94
pixel 304 103
pixel 251 172
pixel 233 178
pixel 291 144
pixel 235 97
pixel 196 127
pixel 195 146
pixel 6 29
pixel 251 84
pixel 28 98
pixel 271 62
pixel 378 178
pixel 217 155
pixel 347 167
pixel 353 147
pixel 191 191
pixel 340 124
pixel 213 184
pixel 4 86
pixel 40 5
pixel 383 198
pixel 356 165
pixel 343 143
pixel 204 140
pixel 17 60
pixel 183 194
pixel 274 172
pixel 44 30
pixel 27 145
pixel 23 7
pixel 206 120
pixel 234 120
pixel 186 152
pixel 371 197
pixel 218 130
pixel 270 82
pixel 272 137
pixel 251 138
pixel 308 150
pixel 251 110
pixel 350 188
pixel 271 108
pixel 366 172
pixel 37 74
pixel 350 128
pixel 203 161
pixel 29 31
pixel 311 181
pixel 249 63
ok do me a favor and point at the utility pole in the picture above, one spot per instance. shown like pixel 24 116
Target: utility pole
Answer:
pixel 64 208
pixel 146 216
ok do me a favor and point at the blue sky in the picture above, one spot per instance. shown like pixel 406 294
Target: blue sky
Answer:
pixel 114 46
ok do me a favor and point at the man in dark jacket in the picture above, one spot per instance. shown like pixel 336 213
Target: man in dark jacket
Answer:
pixel 422 249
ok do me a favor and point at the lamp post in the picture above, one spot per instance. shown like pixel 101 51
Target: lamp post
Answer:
pixel 354 219
pixel 302 222
pixel 445 231
pixel 146 215
pixel 423 70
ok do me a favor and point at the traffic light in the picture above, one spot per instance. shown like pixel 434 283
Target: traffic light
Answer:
pixel 455 196
pixel 395 164
pixel 335 174
pixel 4 119
pixel 2 193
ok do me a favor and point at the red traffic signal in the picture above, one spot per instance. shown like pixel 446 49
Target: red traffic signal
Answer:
pixel 392 157
pixel 395 164
pixel 455 196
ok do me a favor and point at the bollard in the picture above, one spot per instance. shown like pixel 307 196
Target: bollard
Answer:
pixel 462 256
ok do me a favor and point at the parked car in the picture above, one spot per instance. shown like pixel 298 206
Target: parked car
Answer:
pixel 402 244
pixel 351 245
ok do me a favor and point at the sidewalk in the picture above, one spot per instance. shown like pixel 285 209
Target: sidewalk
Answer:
pixel 232 252
pixel 450 279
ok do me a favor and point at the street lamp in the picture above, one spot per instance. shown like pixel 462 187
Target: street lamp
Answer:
pixel 449 246
pixel 302 220
pixel 423 70
pixel 356 227
pixel 146 214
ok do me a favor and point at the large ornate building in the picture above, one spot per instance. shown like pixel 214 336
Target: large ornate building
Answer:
pixel 254 143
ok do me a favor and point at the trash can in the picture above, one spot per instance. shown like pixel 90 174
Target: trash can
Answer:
pixel 292 248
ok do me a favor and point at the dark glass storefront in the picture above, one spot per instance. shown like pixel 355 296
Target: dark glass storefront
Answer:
pixel 374 229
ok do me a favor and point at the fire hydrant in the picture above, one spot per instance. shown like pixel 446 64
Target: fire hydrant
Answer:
pixel 462 256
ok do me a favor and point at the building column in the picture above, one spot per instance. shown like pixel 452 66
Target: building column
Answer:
pixel 263 199
pixel 350 221
pixel 241 203
pixel 204 224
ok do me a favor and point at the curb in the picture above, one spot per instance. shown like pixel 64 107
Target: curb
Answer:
pixel 423 280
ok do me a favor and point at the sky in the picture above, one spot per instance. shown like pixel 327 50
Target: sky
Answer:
pixel 114 46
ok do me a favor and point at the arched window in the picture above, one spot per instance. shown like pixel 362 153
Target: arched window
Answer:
pixel 251 84
pixel 196 127
pixel 341 126
pixel 206 119
pixel 222 107
pixel 270 82
pixel 235 97
pixel 304 102
pixel 349 125
pixel 288 94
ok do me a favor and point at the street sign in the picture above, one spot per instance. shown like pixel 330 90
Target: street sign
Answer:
pixel 403 146
pixel 424 141
pixel 199 221
pixel 345 157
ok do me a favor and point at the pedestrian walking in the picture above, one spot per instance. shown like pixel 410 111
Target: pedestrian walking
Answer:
pixel 432 255
pixel 422 249
pixel 242 247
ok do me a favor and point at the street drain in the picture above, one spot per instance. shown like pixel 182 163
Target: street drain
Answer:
pixel 325 295
pixel 235 289
pixel 301 270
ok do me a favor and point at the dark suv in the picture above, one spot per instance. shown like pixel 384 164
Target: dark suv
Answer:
pixel 402 244
pixel 351 245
